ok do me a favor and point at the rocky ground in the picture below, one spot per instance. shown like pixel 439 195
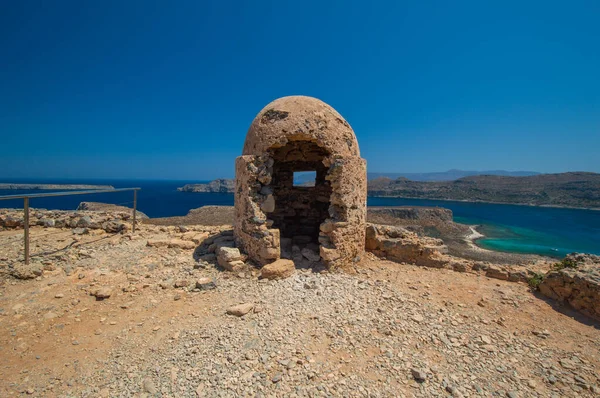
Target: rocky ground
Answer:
pixel 206 215
pixel 434 222
pixel 107 207
pixel 107 315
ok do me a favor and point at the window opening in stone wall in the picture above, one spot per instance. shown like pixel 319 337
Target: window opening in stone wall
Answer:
pixel 305 178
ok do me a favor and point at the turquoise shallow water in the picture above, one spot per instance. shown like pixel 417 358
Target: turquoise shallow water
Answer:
pixel 522 229
pixel 516 239
pixel 545 231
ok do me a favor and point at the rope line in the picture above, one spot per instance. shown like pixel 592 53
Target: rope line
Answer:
pixel 35 237
pixel 12 242
pixel 32 238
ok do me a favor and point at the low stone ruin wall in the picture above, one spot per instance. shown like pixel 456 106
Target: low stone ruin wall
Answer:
pixel 401 245
pixel 221 249
pixel 108 207
pixel 109 221
pixel 576 281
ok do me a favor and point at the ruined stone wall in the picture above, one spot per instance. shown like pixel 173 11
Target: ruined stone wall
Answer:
pixel 342 236
pixel 401 245
pixel 84 220
pixel 253 234
pixel 578 284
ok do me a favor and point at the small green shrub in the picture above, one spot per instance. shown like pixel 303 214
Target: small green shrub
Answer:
pixel 566 263
pixel 535 281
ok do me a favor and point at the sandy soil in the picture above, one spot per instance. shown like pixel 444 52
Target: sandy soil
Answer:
pixel 58 340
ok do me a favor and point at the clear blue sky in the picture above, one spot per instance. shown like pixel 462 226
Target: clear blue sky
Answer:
pixel 167 89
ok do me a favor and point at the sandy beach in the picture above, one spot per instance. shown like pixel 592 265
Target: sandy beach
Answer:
pixel 472 237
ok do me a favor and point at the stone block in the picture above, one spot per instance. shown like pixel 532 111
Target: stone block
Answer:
pixel 279 269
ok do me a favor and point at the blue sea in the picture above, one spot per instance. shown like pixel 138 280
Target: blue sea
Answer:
pixel 546 231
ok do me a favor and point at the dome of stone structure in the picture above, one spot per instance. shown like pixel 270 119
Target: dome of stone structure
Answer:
pixel 300 118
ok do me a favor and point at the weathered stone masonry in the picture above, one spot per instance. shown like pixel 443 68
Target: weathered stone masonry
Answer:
pixel 275 219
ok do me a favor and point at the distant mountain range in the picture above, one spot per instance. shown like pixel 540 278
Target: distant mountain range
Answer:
pixel 577 189
pixel 450 175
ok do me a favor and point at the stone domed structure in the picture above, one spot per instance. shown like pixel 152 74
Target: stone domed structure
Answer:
pixel 300 118
pixel 309 223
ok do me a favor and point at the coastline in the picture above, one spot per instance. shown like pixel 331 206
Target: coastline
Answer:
pixel 486 202
pixel 47 187
pixel 473 237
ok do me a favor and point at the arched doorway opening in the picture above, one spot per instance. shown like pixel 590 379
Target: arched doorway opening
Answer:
pixel 299 209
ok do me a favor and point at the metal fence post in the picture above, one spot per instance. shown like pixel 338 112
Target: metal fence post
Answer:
pixel 134 207
pixel 26 227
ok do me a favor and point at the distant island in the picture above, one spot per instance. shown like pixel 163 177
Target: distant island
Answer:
pixel 575 189
pixel 68 187
pixel 216 186
pixel 450 175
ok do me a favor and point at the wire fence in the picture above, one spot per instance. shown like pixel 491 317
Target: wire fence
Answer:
pixel 27 197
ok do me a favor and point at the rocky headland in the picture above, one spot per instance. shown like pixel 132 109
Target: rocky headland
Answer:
pixel 221 185
pixel 577 189
pixel 66 187
pixel 437 222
